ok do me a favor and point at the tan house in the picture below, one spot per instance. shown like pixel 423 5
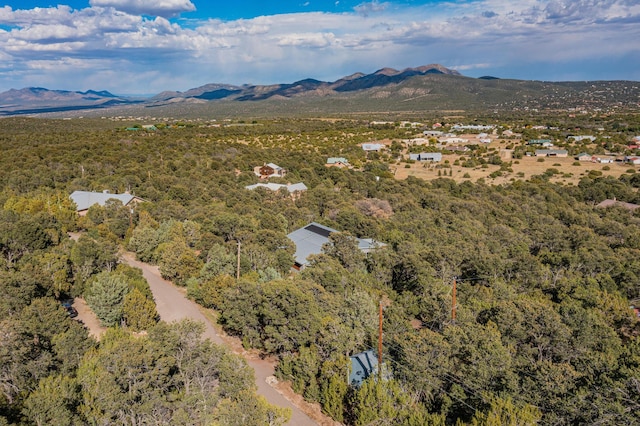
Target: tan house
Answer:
pixel 339 162
pixel 269 170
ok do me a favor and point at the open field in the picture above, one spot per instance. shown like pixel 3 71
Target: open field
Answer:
pixel 569 173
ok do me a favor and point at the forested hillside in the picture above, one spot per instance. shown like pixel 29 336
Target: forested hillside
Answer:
pixel 543 333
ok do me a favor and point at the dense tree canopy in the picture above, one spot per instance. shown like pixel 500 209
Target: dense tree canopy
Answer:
pixel 543 332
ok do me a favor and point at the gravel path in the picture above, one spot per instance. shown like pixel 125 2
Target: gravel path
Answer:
pixel 173 305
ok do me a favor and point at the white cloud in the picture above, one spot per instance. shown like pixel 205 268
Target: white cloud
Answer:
pixel 164 8
pixel 307 40
pixel 367 8
pixel 485 36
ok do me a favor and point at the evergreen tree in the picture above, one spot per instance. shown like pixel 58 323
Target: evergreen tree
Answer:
pixel 106 297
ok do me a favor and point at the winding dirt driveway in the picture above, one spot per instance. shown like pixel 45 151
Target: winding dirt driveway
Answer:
pixel 173 305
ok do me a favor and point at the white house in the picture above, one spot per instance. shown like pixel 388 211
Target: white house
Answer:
pixel 434 157
pixel 579 138
pixel 292 188
pixel 372 147
pixel 452 140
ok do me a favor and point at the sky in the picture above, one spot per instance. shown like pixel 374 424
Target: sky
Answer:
pixel 149 46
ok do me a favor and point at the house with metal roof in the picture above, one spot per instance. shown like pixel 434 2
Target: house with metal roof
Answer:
pixel 580 138
pixel 337 162
pixel 291 187
pixel 434 157
pixel 541 142
pixel 309 240
pixel 551 153
pixel 372 146
pixel 583 156
pixel 86 199
pixel 363 365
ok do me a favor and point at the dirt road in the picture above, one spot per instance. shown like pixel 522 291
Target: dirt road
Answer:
pixel 173 305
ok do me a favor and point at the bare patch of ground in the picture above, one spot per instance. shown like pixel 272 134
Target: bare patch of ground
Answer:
pixel 88 318
pixel 569 170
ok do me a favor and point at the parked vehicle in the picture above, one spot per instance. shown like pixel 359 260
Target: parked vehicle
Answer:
pixel 67 304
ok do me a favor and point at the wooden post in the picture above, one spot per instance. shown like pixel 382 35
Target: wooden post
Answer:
pixel 238 269
pixel 380 341
pixel 453 301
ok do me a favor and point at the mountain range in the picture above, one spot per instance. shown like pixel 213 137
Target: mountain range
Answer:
pixel 428 87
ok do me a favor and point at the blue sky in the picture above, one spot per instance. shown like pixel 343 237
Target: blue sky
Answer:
pixel 148 46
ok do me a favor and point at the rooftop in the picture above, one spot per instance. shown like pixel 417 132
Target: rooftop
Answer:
pixel 86 199
pixel 309 240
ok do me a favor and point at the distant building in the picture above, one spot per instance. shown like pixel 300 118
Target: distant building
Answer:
pixel 337 162
pixel 452 140
pixel 372 146
pixel 291 187
pixel 540 142
pixel 551 153
pixel 269 170
pixel 580 138
pixel 584 157
pixel 473 127
pixel 434 157
pixel 85 199
pixel 412 124
pixel 604 160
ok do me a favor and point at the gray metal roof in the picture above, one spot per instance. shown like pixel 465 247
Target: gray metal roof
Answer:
pixel 291 187
pixel 334 160
pixel 363 365
pixel 85 199
pixel 426 156
pixel 309 240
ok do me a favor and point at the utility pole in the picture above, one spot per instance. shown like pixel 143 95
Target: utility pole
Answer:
pixel 453 302
pixel 380 341
pixel 238 268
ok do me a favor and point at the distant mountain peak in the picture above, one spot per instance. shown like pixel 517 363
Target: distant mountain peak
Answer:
pixel 425 86
pixel 386 71
pixel 424 69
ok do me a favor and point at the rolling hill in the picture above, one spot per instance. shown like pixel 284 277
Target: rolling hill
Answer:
pixel 425 88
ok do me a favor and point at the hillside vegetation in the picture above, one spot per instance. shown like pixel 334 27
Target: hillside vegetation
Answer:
pixel 543 332
pixel 412 90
